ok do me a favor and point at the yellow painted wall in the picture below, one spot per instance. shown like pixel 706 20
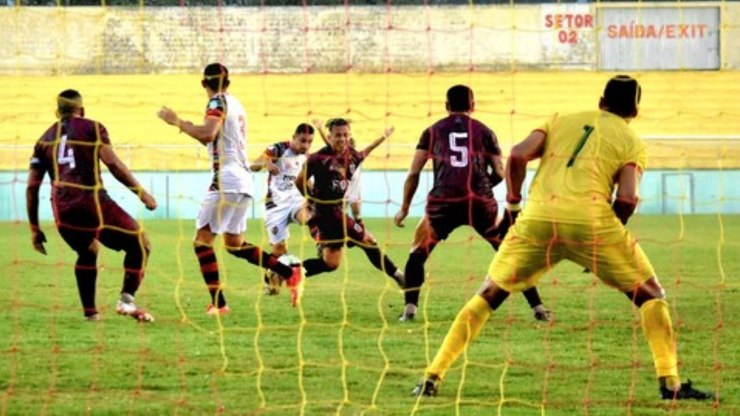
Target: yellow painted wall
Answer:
pixel 675 104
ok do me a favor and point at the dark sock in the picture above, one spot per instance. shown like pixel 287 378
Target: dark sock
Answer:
pixel 533 298
pixel 316 266
pixel 379 260
pixel 256 256
pixel 133 263
pixel 209 270
pixel 414 273
pixel 86 273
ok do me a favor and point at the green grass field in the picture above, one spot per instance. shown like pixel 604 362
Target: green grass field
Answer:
pixel 343 352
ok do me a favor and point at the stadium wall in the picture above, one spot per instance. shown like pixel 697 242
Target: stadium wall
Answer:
pixel 179 193
pixel 593 36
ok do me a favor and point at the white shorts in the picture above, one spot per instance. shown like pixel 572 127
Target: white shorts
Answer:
pixel 224 213
pixel 280 216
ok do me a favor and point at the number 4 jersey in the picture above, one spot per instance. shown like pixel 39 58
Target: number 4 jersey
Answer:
pixel 461 149
pixel 68 150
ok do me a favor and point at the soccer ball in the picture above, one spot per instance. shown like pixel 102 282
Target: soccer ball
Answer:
pixel 289 260
pixel 273 281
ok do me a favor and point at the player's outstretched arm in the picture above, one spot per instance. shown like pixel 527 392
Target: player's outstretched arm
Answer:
pixel 204 133
pixel 411 184
pixel 119 171
pixel 319 125
pixel 386 134
pixel 35 178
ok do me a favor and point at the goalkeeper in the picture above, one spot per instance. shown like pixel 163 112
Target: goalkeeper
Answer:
pixel 570 215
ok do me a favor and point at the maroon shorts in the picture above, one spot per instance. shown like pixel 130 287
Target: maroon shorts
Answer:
pixel 81 223
pixel 479 213
pixel 334 227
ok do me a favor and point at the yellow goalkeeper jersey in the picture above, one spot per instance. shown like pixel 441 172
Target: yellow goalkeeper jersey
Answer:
pixel 582 156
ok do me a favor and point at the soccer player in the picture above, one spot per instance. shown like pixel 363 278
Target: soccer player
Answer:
pixel 467 165
pixel 354 189
pixel 284 204
pixel 331 169
pixel 70 151
pixel 224 207
pixel 570 215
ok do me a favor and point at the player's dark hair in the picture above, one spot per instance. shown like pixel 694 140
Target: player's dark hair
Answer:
pixel 622 96
pixel 459 98
pixel 216 77
pixel 304 128
pixel 68 101
pixel 336 122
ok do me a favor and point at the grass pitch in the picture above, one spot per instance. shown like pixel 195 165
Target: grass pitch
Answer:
pixel 343 352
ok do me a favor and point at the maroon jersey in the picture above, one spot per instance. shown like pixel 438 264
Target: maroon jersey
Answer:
pixel 68 150
pixel 460 148
pixel 331 175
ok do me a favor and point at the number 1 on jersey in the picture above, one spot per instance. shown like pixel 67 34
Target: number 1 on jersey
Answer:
pixel 581 142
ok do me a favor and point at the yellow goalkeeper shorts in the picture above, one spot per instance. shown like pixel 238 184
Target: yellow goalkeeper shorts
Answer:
pixel 532 248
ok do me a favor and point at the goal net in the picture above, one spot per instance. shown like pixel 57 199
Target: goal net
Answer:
pixel 379 65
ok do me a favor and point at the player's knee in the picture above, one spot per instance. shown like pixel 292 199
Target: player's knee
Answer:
pixel 146 243
pixel 419 254
pixel 279 249
pixel 494 294
pixel 650 289
pixel 197 244
pixel 87 257
pixel 332 263
pixel 135 246
pixel 234 242
pixel 369 239
pixel 303 216
pixel 237 248
pixel 204 237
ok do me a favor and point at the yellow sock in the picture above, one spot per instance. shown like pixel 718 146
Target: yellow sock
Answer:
pixel 658 328
pixel 467 325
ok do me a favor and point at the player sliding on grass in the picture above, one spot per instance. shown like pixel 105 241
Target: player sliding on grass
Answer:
pixel 331 170
pixel 467 165
pixel 71 151
pixel 570 215
pixel 224 208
